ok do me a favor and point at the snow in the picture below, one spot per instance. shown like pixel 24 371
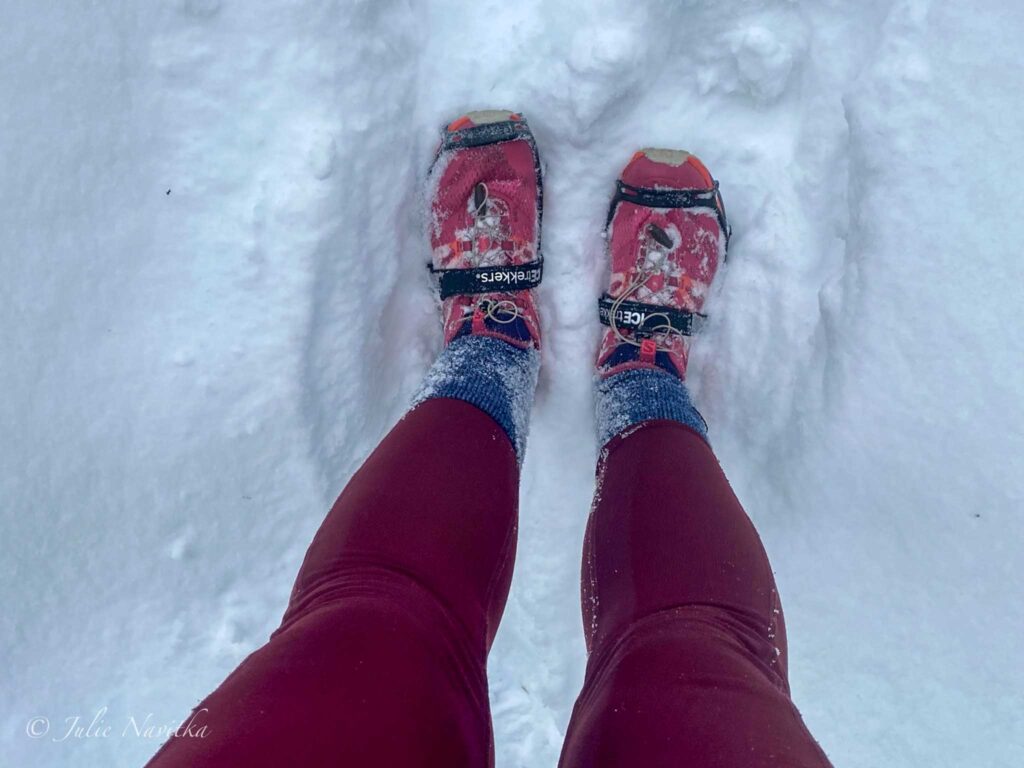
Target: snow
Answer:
pixel 213 305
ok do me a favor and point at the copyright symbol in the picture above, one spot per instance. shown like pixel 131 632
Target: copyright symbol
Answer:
pixel 37 727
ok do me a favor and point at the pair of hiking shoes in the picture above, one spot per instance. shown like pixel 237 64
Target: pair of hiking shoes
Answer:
pixel 666 234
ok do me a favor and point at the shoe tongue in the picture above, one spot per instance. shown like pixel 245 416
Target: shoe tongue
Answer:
pixel 480 198
pixel 660 236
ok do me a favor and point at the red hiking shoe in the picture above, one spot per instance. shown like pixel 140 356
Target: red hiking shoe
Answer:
pixel 666 235
pixel 485 203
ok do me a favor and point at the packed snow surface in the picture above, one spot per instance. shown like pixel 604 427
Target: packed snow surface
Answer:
pixel 213 304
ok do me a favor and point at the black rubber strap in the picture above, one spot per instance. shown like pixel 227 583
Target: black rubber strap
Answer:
pixel 648 318
pixel 671 198
pixel 466 282
pixel 488 133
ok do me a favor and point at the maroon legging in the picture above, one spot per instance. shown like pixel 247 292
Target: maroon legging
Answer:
pixel 380 659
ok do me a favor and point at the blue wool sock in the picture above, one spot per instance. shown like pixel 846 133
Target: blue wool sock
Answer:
pixel 638 395
pixel 496 377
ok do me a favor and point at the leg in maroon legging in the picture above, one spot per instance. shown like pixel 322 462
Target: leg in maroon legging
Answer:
pixel 687 647
pixel 381 657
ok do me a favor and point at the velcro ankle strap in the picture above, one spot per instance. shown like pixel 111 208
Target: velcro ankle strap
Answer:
pixel 645 319
pixel 506 279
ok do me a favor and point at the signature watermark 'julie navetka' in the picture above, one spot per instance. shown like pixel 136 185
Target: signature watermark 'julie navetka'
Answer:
pixel 101 726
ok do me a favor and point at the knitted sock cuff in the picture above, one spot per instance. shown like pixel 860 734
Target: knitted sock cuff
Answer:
pixel 638 395
pixel 496 377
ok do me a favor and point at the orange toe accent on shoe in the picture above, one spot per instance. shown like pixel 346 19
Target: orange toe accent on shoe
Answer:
pixel 696 163
pixel 674 169
pixel 461 122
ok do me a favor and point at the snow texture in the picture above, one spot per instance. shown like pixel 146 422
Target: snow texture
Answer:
pixel 213 305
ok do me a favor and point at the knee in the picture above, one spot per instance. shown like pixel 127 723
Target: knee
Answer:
pixel 682 690
pixel 398 689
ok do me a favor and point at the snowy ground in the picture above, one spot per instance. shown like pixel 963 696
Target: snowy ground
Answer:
pixel 212 305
